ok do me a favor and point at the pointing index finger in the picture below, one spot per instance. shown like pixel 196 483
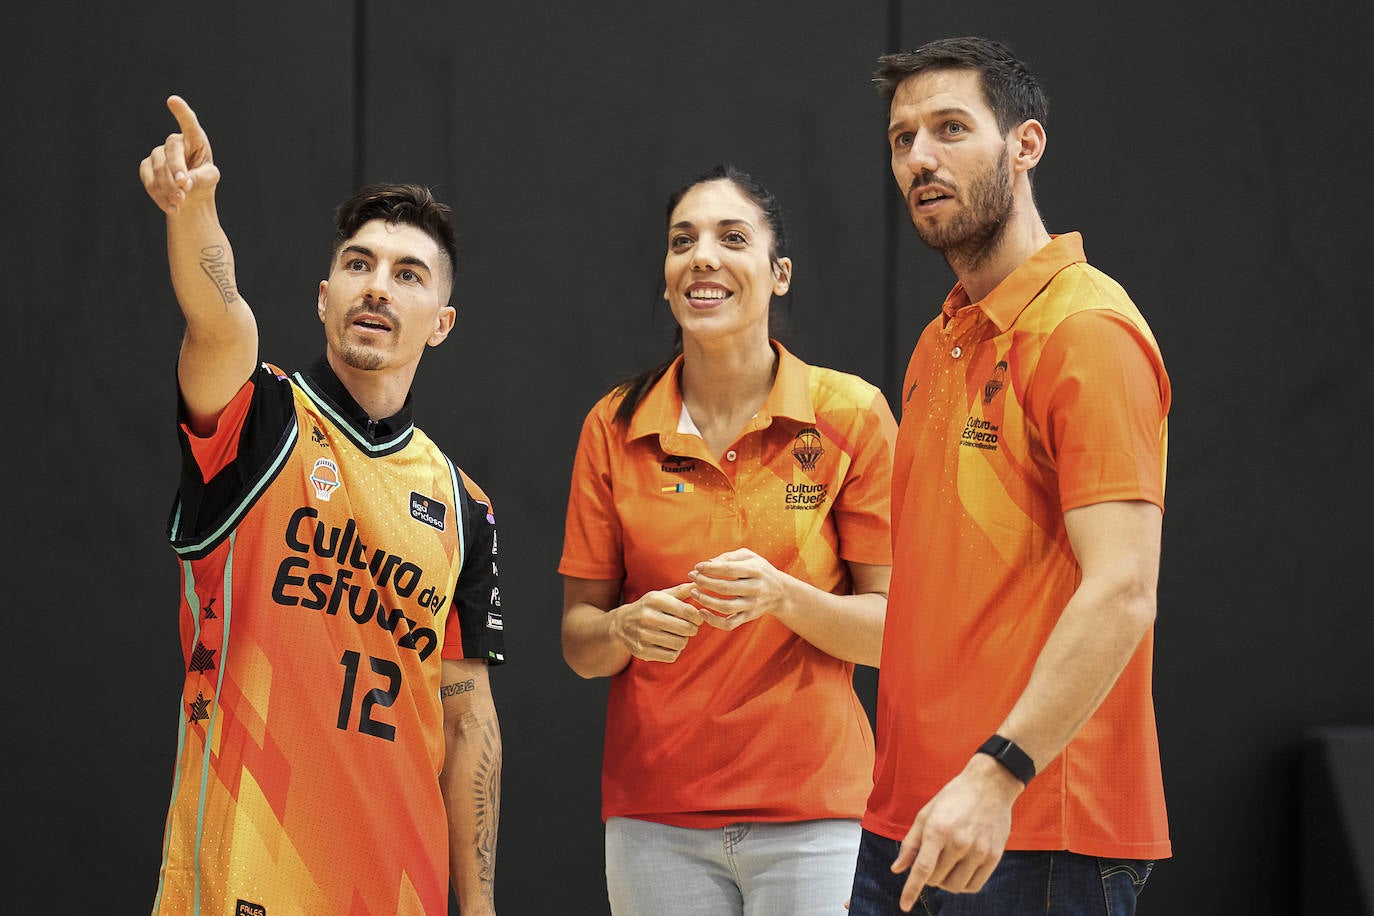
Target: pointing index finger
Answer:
pixel 186 119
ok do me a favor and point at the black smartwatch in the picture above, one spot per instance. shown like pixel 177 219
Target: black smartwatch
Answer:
pixel 1005 752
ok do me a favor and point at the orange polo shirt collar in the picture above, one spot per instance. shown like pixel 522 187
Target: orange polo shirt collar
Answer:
pixel 790 396
pixel 1010 297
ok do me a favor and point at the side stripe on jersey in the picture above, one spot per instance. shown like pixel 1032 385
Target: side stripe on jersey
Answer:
pixel 460 499
pixel 193 604
pixel 231 520
pixel 349 428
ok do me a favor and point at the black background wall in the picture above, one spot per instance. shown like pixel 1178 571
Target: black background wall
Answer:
pixel 1214 155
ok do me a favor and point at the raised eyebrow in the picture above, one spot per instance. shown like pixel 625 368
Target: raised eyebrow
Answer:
pixel 408 260
pixel 962 114
pixel 411 261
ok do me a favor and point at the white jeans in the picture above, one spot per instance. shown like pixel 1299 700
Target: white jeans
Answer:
pixel 746 869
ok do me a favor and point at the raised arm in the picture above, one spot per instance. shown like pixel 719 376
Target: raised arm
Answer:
pixel 471 783
pixel 220 348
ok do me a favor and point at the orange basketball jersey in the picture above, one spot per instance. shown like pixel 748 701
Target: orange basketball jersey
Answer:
pixel 328 564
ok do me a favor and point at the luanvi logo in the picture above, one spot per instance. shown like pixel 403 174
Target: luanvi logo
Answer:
pixel 677 464
pixel 806 448
pixel 317 436
pixel 244 908
pixel 427 509
pixel 995 384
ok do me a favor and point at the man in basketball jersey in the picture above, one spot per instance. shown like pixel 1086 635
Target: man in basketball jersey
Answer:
pixel 338 745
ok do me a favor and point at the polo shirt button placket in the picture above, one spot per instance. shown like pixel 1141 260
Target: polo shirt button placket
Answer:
pixel 729 504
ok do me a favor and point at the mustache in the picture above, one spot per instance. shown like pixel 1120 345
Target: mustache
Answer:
pixel 928 178
pixel 376 308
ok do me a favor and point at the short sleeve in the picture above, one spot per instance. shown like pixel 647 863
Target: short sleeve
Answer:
pixel 592 538
pixel 1101 398
pixel 862 516
pixel 476 624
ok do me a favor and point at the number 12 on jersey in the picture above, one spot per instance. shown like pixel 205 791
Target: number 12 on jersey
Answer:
pixel 373 698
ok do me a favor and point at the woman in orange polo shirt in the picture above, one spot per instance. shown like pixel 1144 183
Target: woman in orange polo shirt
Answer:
pixel 725 561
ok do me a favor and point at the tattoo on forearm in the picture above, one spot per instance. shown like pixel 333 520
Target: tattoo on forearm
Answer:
pixel 452 690
pixel 486 789
pixel 220 271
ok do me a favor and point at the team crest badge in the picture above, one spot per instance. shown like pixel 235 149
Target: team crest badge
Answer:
pixel 325 477
pixel 806 448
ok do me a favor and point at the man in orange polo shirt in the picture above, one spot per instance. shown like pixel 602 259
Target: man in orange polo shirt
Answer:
pixel 1015 733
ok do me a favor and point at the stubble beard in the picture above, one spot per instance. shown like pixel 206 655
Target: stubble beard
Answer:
pixel 972 235
pixel 359 357
pixel 363 356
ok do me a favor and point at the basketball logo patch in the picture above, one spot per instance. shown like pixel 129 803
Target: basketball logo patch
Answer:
pixel 325 478
pixel 806 448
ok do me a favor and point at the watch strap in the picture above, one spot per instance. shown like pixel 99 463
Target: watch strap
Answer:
pixel 1005 752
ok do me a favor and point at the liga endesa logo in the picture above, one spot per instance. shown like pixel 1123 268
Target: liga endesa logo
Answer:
pixel 427 509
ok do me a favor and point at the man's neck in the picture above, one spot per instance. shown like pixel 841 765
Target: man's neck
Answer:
pixel 980 272
pixel 379 393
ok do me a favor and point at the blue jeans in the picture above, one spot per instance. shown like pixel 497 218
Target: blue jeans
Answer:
pixel 1024 883
pixel 748 869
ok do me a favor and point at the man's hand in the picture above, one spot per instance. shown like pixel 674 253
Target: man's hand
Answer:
pixel 959 836
pixel 182 169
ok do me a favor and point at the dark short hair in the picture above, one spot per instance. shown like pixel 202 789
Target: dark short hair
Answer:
pixel 405 204
pixel 1009 88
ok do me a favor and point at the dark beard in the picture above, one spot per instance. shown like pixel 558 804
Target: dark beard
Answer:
pixel 973 234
